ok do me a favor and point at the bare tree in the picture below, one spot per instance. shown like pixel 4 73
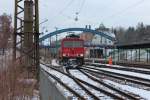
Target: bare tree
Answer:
pixel 5 30
pixel 15 84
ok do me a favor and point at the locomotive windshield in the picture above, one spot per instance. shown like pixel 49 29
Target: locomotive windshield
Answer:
pixel 73 44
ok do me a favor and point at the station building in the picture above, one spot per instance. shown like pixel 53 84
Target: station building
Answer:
pixel 98 46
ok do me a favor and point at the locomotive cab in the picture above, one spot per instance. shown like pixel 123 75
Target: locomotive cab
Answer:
pixel 72 47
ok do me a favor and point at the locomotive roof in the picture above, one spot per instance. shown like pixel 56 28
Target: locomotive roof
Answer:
pixel 72 36
pixel 72 39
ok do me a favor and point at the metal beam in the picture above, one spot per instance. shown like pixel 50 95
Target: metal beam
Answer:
pixel 103 34
pixel 19 35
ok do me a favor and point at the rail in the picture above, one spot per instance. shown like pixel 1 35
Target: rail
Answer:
pixel 132 79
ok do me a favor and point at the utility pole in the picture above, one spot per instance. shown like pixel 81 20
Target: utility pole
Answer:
pixel 56 42
pixel 24 16
pixel 36 37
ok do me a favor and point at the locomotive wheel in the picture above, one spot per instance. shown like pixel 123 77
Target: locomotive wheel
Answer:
pixel 80 61
pixel 64 61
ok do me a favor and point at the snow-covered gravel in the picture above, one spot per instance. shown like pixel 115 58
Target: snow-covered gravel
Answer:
pixel 107 65
pixel 54 62
pixel 81 76
pixel 67 81
pixel 143 93
pixel 145 76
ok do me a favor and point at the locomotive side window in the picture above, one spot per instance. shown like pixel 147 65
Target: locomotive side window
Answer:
pixel 73 44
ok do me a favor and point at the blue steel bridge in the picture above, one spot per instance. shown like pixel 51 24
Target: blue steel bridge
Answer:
pixel 84 30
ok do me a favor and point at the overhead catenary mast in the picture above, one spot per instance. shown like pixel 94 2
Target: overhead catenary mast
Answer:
pixel 26 21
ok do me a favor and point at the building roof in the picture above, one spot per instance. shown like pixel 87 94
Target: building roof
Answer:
pixel 134 46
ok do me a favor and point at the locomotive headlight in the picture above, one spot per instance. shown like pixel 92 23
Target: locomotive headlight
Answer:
pixel 64 54
pixel 81 55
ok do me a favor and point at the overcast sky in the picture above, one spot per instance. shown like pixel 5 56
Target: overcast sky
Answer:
pixel 61 13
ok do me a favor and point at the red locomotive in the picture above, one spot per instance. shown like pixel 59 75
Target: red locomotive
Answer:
pixel 72 47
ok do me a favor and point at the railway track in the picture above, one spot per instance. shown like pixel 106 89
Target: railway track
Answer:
pixel 125 63
pixel 66 86
pixel 82 84
pixel 79 81
pixel 114 96
pixel 121 92
pixel 134 64
pixel 123 95
pixel 84 88
pixel 122 68
pixel 127 78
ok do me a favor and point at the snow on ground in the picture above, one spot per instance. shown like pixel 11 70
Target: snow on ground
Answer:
pixel 67 81
pixel 141 69
pixel 35 95
pixel 143 93
pixel 81 76
pixel 55 63
pixel 65 92
pixel 98 94
pixel 75 87
pixel 145 76
pixel 130 67
pixel 125 67
pixel 108 65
